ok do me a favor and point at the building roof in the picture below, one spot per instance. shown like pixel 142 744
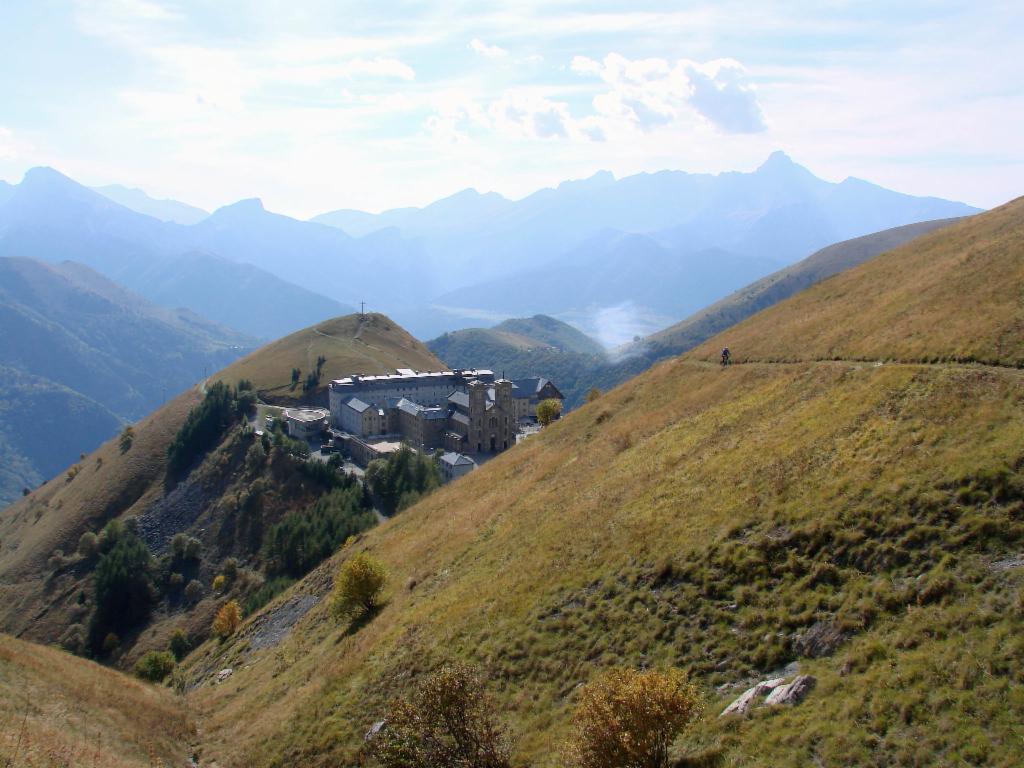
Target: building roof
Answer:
pixel 355 404
pixel 461 399
pixel 409 375
pixel 306 415
pixel 461 418
pixel 531 387
pixel 457 460
pixel 409 407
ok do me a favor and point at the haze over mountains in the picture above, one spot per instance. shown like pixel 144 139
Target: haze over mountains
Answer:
pixel 165 210
pixel 50 217
pixel 617 258
pixel 80 356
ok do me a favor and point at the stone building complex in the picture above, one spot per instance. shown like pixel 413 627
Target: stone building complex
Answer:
pixel 462 411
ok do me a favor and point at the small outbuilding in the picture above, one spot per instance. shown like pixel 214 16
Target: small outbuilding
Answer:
pixel 305 423
pixel 455 465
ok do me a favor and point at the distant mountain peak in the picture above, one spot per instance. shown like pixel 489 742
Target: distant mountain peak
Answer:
pixel 44 176
pixel 777 161
pixel 599 179
pixel 249 206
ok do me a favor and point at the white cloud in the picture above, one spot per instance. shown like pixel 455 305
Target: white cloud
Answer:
pixel 8 151
pixel 649 93
pixel 529 115
pixel 487 51
pixel 720 94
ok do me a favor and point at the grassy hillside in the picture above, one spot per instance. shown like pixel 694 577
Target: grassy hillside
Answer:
pixel 779 286
pixel 577 369
pixel 716 520
pixel 109 485
pixel 370 344
pixel 56 710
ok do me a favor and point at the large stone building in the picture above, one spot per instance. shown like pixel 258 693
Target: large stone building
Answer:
pixel 462 411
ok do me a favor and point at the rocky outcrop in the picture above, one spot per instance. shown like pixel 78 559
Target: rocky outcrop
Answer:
pixel 774 692
pixel 792 693
pixel 821 639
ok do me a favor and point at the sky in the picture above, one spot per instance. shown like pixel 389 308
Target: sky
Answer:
pixel 318 105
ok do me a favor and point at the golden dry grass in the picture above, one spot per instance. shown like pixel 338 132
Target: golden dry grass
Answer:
pixel 954 294
pixel 58 710
pixel 351 344
pixel 539 566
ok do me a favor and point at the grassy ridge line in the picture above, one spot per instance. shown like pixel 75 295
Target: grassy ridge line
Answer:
pixel 661 468
pixel 350 344
pixel 780 285
pixel 952 295
pixel 56 709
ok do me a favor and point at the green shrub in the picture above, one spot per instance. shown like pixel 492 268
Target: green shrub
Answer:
pixel 358 586
pixel 194 590
pixel 88 545
pixel 155 666
pixel 179 645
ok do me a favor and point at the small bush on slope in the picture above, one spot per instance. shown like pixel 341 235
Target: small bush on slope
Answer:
pixel 630 718
pixel 228 619
pixel 155 666
pixel 358 586
pixel 447 722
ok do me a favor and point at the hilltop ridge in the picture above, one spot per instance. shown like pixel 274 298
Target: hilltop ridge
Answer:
pixel 367 344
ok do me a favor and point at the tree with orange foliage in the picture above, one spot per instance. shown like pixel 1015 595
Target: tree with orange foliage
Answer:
pixel 629 718
pixel 228 619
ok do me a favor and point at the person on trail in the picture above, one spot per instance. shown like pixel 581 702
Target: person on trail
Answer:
pixel 726 356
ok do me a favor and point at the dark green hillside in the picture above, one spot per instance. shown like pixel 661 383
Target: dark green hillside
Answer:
pixel 537 346
pixel 541 330
pixel 192 494
pixel 47 422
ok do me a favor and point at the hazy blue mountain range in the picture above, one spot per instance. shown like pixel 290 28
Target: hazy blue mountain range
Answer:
pixel 651 247
pixel 577 368
pixel 140 202
pixel 48 216
pixel 90 354
pixel 703 236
